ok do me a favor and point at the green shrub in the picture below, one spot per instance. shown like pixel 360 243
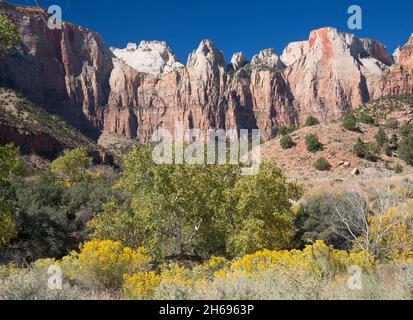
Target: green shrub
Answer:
pixel 367 119
pixel 406 150
pixel 312 121
pixel 398 169
pixel 392 124
pixel 313 143
pixel 287 130
pixel 388 150
pixel 407 130
pixel 9 34
pixel 365 151
pixel 350 122
pixel 287 142
pixel 322 165
pixel 381 137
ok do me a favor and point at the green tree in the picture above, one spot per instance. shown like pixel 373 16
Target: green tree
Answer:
pixel 406 150
pixel 287 142
pixel 287 130
pixel 312 121
pixel 316 219
pixel 322 164
pixel 313 143
pixel 9 34
pixel 264 215
pixel 193 211
pixel 365 151
pixel 350 122
pixel 73 166
pixel 367 119
pixel 407 130
pixel 381 137
pixel 10 165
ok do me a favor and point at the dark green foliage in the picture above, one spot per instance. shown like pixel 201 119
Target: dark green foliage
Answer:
pixel 388 150
pixel 392 124
pixel 322 165
pixel 315 220
pixel 381 137
pixel 312 121
pixel 366 118
pixel 287 130
pixel 9 34
pixel 365 151
pixel 287 142
pixel 350 122
pixel 398 169
pixel 407 130
pixel 406 150
pixel 313 144
pixel 51 218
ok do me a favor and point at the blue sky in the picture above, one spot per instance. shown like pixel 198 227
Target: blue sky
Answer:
pixel 234 25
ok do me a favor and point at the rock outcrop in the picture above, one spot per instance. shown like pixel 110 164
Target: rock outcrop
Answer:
pixel 137 90
pixel 238 60
pixel 151 57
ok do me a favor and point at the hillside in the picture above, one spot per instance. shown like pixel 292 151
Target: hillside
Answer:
pixel 38 132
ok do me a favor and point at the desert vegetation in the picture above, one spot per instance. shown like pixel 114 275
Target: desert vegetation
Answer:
pixel 151 231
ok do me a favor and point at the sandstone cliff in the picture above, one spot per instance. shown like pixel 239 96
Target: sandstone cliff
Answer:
pixel 134 91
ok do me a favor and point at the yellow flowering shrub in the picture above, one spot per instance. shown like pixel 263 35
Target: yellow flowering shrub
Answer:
pixel 394 233
pixel 318 259
pixel 141 286
pixel 9 269
pixel 315 261
pixel 104 263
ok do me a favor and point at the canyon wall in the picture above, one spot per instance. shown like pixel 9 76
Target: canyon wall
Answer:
pixel 136 90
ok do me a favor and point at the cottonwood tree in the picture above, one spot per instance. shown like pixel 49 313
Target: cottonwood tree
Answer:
pixel 9 35
pixel 363 214
pixel 196 211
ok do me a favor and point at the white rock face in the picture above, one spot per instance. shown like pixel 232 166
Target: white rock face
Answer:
pixel 206 60
pixel 294 51
pixel 267 58
pixel 238 60
pixel 396 55
pixel 377 50
pixel 151 57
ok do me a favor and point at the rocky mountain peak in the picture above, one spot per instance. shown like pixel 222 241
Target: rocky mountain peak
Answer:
pixel 377 50
pixel 151 57
pixel 406 54
pixel 267 58
pixel 207 50
pixel 238 60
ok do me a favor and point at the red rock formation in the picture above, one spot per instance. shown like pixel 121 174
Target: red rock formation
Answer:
pixel 72 72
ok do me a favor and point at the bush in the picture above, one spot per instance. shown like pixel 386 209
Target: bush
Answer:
pixel 381 137
pixel 350 122
pixel 322 165
pixel 312 121
pixel 398 169
pixel 287 130
pixel 103 264
pixel 9 34
pixel 406 150
pixel 313 144
pixel 367 119
pixel 32 284
pixel 388 151
pixel 364 151
pixel 287 142
pixel 407 130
